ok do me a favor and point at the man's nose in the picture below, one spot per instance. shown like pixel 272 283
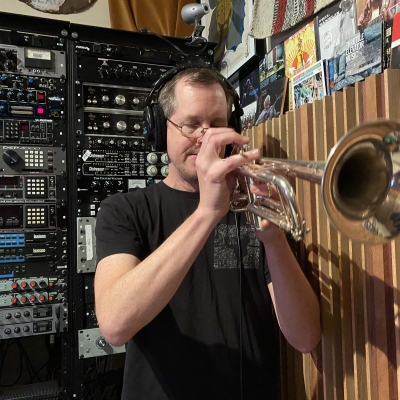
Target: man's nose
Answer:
pixel 202 133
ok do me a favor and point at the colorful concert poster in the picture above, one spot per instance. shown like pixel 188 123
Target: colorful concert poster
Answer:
pixel 300 50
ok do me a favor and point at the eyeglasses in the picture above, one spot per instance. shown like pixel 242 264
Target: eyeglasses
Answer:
pixel 189 130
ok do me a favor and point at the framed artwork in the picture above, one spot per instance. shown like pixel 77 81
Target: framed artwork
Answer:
pixel 228 25
pixel 59 6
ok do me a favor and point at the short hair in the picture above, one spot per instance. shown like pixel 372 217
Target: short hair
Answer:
pixel 197 76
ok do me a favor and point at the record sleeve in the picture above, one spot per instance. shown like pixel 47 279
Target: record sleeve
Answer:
pixel 371 11
pixel 272 66
pixel 271 101
pixel 309 85
pixel 249 88
pixel 335 25
pixel 395 56
pixel 300 50
pixel 359 57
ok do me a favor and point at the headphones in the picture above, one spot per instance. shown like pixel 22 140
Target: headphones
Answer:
pixel 154 119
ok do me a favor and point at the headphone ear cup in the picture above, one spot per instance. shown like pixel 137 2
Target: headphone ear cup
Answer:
pixel 235 123
pixel 235 120
pixel 148 119
pixel 160 131
pixel 156 125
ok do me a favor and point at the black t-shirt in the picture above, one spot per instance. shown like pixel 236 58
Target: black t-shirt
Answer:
pixel 191 350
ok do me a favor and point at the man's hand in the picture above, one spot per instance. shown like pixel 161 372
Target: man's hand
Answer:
pixel 216 176
pixel 270 231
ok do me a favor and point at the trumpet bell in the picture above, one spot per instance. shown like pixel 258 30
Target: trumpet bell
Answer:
pixel 359 189
pixel 360 185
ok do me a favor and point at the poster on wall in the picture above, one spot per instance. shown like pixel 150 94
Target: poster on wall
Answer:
pixel 271 101
pixel 369 12
pixel 58 6
pixel 309 85
pixel 300 50
pixel 228 25
pixel 249 88
pixel 248 117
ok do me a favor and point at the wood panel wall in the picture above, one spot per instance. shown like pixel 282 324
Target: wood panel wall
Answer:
pixel 358 285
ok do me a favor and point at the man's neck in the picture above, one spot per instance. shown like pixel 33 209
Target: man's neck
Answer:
pixel 181 184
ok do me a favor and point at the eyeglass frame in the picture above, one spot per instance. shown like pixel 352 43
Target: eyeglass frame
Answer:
pixel 202 131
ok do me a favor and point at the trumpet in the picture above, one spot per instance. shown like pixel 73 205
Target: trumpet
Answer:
pixel 360 186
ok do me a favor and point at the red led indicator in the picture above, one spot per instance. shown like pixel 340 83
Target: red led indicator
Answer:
pixel 40 110
pixel 41 97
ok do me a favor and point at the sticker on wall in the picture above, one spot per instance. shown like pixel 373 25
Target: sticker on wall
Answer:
pixel 59 6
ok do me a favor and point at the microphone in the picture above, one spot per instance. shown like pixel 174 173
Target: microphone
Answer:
pixel 191 14
pixel 194 12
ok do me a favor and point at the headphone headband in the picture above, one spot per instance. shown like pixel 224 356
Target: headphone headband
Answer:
pixel 162 80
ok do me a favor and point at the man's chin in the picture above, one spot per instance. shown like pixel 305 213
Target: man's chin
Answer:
pixel 190 174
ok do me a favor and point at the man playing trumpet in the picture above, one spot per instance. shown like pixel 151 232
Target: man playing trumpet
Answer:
pixel 191 288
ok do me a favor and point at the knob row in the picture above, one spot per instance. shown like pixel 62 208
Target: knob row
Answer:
pixel 120 71
pixel 119 100
pixel 121 126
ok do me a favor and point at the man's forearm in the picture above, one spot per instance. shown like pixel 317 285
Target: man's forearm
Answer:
pixel 153 282
pixel 296 304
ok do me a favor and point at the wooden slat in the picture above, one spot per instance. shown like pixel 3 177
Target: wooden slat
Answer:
pixel 325 273
pixel 292 358
pixel 306 152
pixel 283 151
pixel 316 362
pixel 391 90
pixel 361 284
pixel 391 87
pixel 269 139
pixel 297 155
pixel 396 311
pixel 338 131
pixel 346 269
pixel 291 145
pixel 259 132
pixel 251 135
pixel 353 105
pixel 302 385
pixel 276 138
pixel 376 263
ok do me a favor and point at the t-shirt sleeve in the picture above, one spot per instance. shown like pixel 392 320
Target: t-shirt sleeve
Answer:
pixel 116 231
